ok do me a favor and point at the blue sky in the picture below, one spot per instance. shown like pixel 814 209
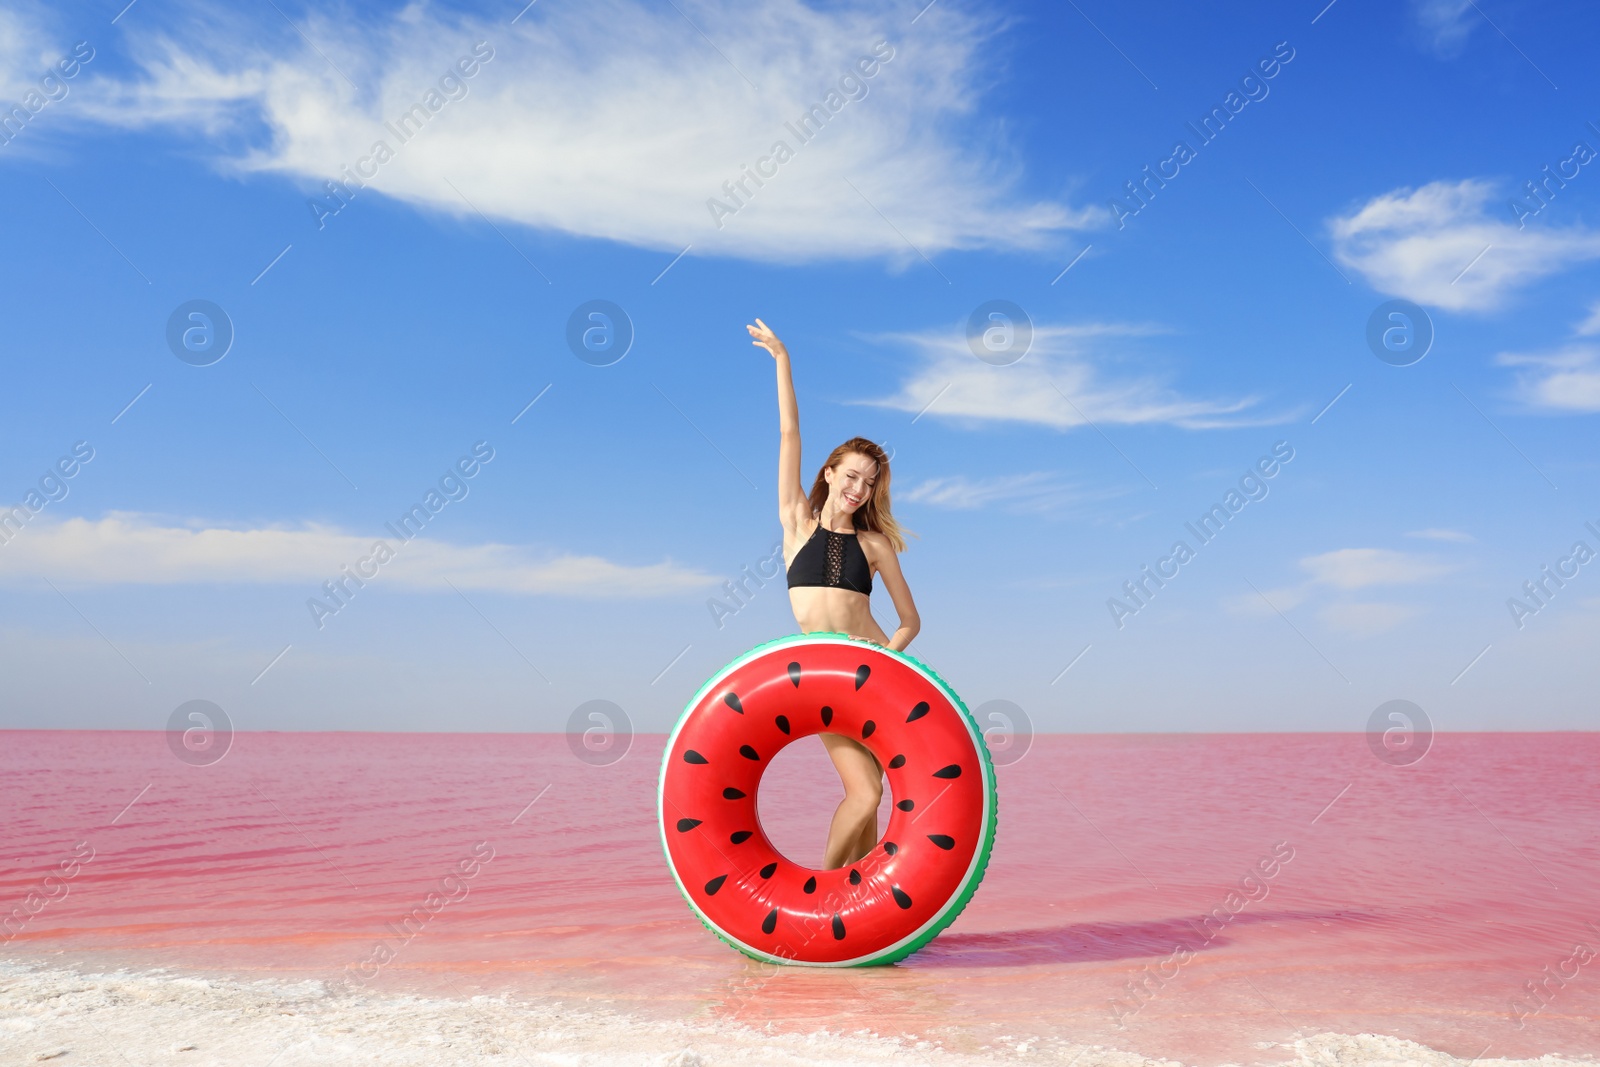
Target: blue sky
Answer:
pixel 1172 348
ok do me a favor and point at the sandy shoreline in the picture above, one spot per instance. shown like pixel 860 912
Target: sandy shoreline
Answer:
pixel 59 1015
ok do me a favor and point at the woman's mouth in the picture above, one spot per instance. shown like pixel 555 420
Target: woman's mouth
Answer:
pixel 853 501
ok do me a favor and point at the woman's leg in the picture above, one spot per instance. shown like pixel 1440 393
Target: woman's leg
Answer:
pixel 869 835
pixel 855 824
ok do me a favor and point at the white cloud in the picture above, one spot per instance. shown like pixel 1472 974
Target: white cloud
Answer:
pixel 1366 619
pixel 1067 358
pixel 1436 534
pixel 1033 492
pixel 1268 601
pixel 1591 325
pixel 35 94
pixel 617 119
pixel 1357 568
pixel 126 548
pixel 1352 568
pixel 1445 24
pixel 1566 381
pixel 29 49
pixel 1428 245
pixel 17 56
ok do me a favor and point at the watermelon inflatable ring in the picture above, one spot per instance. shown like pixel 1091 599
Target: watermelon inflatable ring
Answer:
pixel 917 878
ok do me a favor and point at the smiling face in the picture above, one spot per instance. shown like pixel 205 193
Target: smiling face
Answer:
pixel 850 484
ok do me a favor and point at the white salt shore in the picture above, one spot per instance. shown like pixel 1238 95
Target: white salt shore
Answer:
pixel 77 1018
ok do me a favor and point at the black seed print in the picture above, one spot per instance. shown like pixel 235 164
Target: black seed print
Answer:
pixel 944 841
pixel 898 761
pixel 783 723
pixel 794 674
pixel 739 837
pixel 691 756
pixel 766 872
pixel 867 728
pixel 732 700
pixel 918 712
pixel 811 884
pixel 715 884
pixel 770 923
pixel 890 847
pixel 900 896
pixel 747 752
pixel 952 771
pixel 907 804
pixel 855 876
pixel 827 716
pixel 861 675
pixel 685 825
pixel 838 927
pixel 731 793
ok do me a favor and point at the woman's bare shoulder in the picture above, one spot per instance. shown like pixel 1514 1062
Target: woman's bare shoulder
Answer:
pixel 875 544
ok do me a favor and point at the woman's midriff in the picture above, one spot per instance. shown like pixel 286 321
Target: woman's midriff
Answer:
pixel 818 609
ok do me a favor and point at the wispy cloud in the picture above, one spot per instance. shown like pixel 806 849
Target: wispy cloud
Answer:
pixel 1031 493
pixel 618 119
pixel 21 45
pixel 1436 534
pixel 1591 324
pixel 1445 25
pixel 1357 568
pixel 1366 618
pixel 1331 574
pixel 131 549
pixel 1453 245
pixel 1075 360
pixel 1268 601
pixel 1566 381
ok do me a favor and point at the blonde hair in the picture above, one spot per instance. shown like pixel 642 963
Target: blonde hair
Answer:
pixel 874 515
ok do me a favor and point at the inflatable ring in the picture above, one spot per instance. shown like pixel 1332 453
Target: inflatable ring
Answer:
pixel 916 879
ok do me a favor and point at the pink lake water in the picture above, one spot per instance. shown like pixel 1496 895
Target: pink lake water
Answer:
pixel 1417 902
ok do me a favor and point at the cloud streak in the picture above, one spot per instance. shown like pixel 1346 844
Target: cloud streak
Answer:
pixel 1565 382
pixel 1435 533
pixel 1060 383
pixel 1035 492
pixel 1445 25
pixel 1358 568
pixel 618 120
pixel 1591 323
pixel 1367 618
pixel 1440 245
pixel 124 548
pixel 1349 569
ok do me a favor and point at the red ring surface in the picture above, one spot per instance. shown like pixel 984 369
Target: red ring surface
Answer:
pixel 729 870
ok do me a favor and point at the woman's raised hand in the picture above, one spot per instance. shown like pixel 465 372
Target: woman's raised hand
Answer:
pixel 764 337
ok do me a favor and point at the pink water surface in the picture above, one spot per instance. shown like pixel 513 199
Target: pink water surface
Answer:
pixel 1418 901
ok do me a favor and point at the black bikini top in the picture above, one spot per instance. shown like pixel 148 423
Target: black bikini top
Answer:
pixel 834 559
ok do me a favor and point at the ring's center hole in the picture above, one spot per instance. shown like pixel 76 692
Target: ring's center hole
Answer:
pixel 799 793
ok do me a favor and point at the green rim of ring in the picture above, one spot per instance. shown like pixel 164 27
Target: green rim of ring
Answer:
pixel 979 867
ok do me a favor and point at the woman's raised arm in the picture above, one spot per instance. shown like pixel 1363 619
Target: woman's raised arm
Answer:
pixel 793 507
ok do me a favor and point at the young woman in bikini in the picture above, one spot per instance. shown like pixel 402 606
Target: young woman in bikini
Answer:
pixel 833 541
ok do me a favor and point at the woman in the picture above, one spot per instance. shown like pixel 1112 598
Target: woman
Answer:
pixel 833 542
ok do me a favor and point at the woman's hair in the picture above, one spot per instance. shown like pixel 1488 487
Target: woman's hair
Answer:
pixel 874 514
